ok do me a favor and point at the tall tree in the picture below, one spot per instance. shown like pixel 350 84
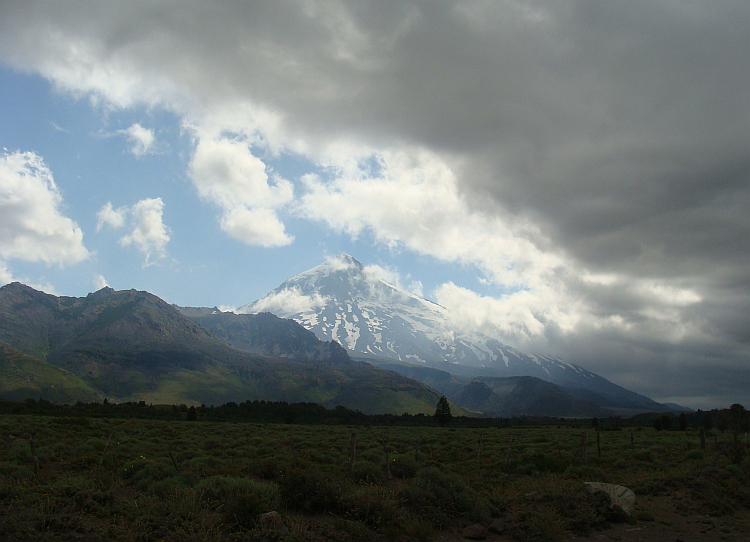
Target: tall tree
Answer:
pixel 443 411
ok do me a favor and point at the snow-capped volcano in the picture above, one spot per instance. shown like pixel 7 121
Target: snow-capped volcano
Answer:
pixel 343 300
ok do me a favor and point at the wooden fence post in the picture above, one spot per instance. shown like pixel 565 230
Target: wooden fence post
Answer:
pixel 106 447
pixel 387 461
pixel 174 461
pixel 584 446
pixel 33 455
pixel 352 453
pixel 508 453
pixel 479 454
pixel 702 434
pixel 598 445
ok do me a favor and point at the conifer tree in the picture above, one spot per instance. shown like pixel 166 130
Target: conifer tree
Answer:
pixel 443 411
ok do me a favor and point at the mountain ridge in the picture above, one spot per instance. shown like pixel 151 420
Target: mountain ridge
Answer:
pixel 129 346
pixel 342 300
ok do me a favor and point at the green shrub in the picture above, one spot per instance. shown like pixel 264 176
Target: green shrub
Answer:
pixel 144 472
pixel 694 454
pixel 645 455
pixel 267 468
pixel 586 472
pixel 536 462
pixel 735 470
pixel 242 500
pixel 544 525
pixel 310 491
pixel 403 466
pixel 440 495
pixel 370 505
pixel 620 464
pixel 367 472
pixel 419 529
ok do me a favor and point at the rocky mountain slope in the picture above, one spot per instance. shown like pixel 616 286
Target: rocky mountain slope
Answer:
pixel 268 334
pixel 131 345
pixel 341 300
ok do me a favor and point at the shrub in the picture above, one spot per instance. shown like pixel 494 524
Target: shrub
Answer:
pixel 419 529
pixel 310 491
pixel 404 466
pixel 439 495
pixel 694 454
pixel 243 499
pixel 368 472
pixel 370 505
pixel 735 470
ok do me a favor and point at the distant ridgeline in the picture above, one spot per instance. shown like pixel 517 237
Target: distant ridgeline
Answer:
pixel 313 414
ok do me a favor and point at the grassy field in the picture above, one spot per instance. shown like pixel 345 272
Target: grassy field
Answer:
pixel 144 480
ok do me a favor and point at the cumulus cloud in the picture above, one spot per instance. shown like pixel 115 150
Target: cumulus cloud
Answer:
pixel 142 139
pixel 588 157
pixel 288 301
pixel 225 172
pixel 114 218
pixel 150 235
pixel 33 227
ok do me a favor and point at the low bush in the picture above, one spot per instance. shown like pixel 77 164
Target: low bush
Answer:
pixel 310 491
pixel 440 495
pixel 368 472
pixel 241 500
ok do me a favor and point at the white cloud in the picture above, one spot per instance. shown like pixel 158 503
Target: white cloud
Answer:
pixel 32 225
pixel 142 139
pixel 511 318
pixel 339 262
pixel 99 282
pixel 150 235
pixel 59 128
pixel 257 226
pixel 416 288
pixel 114 218
pixel 288 301
pixel 6 276
pixel 378 272
pixel 225 172
pixel 414 200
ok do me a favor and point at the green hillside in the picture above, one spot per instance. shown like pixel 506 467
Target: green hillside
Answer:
pixel 24 376
pixel 498 396
pixel 133 346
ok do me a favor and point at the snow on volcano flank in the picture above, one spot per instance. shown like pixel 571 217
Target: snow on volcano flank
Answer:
pixel 345 301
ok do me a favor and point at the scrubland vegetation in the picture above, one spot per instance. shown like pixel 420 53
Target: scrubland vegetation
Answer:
pixel 88 478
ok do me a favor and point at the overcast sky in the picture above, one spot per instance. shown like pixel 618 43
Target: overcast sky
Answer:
pixel 571 177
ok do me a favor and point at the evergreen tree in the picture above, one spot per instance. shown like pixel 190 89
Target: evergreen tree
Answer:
pixel 443 411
